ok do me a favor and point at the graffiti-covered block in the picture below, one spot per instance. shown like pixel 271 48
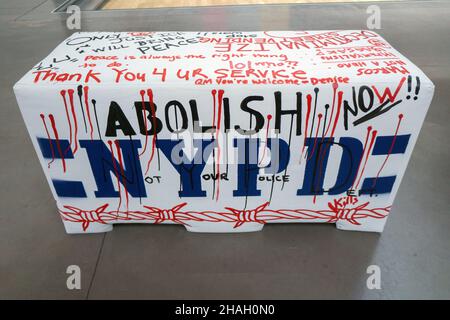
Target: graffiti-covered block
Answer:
pixel 224 131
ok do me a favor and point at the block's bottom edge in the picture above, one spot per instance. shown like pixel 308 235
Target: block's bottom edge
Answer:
pixel 96 227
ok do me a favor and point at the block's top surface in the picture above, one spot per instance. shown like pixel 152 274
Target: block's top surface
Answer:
pixel 226 58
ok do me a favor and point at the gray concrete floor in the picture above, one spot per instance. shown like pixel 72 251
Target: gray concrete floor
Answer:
pixel 283 261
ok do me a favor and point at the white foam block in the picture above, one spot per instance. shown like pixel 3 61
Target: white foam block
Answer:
pixel 224 131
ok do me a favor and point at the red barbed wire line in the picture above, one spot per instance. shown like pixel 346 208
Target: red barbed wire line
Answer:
pixel 337 210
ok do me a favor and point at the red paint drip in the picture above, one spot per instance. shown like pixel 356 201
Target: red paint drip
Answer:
pixel 315 140
pixel 58 145
pixel 219 114
pixel 337 113
pixel 322 155
pixel 369 150
pixel 369 128
pixel 142 93
pixel 70 92
pixel 49 141
pixel 335 86
pixel 86 103
pixel 124 180
pixel 116 173
pixel 152 110
pixel 213 92
pixel 63 94
pixel 314 147
pixel 400 117
pixel 308 111
pixel 269 117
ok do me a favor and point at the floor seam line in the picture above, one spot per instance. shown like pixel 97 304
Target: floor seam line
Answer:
pixel 29 11
pixel 96 266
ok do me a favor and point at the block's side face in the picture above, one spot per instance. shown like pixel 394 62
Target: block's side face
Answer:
pixel 227 155
pixel 396 136
pixel 41 120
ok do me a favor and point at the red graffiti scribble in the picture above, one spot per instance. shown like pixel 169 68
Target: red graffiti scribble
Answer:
pixel 63 94
pixel 86 103
pixel 342 209
pixel 213 93
pixel 58 145
pixel 400 117
pixel 339 207
pixel 369 150
pixel 49 141
pixel 369 128
pixel 142 93
pixel 70 92
pixel 248 215
pixel 140 34
pixel 387 92
pixel 87 216
pixel 336 118
pixel 116 172
pixel 166 215
pixel 122 171
pixel 337 113
pixel 153 112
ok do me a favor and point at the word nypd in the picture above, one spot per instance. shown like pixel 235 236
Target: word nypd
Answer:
pixel 104 164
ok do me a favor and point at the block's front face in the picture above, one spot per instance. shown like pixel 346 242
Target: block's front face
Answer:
pixel 224 131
